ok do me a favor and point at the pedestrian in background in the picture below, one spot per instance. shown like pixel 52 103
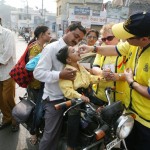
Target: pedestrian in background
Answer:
pixel 7 84
pixel 59 33
pixel 50 70
pixel 91 37
pixel 88 58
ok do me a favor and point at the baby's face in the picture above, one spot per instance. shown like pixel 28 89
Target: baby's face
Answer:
pixel 73 53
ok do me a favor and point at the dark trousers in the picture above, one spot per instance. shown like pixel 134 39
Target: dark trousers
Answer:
pixel 73 131
pixel 36 96
pixel 53 124
pixel 139 138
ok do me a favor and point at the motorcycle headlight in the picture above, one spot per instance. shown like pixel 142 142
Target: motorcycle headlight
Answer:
pixel 124 126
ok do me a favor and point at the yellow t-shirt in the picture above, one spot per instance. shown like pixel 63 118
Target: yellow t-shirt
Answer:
pixel 116 64
pixel 138 104
pixel 34 50
pixel 83 79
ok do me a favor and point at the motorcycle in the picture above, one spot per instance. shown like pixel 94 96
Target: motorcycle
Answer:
pixel 102 128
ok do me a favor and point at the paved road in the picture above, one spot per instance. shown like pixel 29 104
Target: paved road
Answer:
pixel 18 140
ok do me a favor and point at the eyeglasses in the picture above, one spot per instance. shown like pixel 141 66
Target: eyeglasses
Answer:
pixel 108 38
pixel 90 36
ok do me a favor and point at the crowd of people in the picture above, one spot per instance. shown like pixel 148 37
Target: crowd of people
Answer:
pixel 121 61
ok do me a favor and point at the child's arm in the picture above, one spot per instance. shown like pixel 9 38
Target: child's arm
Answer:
pixel 68 89
pixel 69 92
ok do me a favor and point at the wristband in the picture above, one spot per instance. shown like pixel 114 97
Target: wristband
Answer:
pixel 148 89
pixel 95 49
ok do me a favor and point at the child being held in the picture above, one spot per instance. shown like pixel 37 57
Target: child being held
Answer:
pixel 76 88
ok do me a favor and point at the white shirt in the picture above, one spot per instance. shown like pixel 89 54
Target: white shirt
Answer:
pixel 48 69
pixel 7 53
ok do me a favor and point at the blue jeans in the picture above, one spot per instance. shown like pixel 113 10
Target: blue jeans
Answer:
pixel 38 111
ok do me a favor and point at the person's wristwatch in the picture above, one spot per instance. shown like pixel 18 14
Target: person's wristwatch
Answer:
pixel 95 49
pixel 131 84
pixel 119 75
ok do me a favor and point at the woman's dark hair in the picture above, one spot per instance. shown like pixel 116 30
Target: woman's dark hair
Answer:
pixel 93 30
pixel 37 32
pixel 62 55
pixel 75 26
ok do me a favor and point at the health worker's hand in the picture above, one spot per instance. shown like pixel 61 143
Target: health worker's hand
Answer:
pixel 85 49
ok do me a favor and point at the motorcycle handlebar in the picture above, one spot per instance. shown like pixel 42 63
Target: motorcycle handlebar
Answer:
pixel 72 102
pixel 66 104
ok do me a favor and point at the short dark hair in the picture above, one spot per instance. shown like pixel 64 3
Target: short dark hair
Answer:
pixel 77 25
pixel 62 55
pixel 93 30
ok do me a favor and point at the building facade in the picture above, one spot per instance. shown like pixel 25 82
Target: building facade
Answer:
pixel 95 13
pixel 90 13
pixel 23 18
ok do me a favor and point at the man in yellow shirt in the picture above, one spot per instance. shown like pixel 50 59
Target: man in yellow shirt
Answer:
pixel 136 31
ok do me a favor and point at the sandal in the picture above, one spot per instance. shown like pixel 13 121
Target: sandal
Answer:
pixel 33 140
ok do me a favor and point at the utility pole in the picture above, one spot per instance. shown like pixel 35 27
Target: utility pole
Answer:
pixel 27 13
pixel 42 7
pixel 43 17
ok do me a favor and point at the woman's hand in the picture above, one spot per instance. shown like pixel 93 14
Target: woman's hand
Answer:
pixel 85 49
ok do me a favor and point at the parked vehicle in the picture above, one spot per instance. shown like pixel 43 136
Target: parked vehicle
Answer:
pixel 100 129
